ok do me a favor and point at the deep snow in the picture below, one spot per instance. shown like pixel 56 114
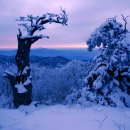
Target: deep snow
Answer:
pixel 65 118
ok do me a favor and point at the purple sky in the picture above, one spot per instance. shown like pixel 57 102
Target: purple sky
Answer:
pixel 84 17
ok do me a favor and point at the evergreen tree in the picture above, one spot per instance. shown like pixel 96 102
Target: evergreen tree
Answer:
pixel 109 79
pixel 108 82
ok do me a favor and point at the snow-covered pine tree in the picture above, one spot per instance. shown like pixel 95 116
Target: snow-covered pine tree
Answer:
pixel 109 78
pixel 108 82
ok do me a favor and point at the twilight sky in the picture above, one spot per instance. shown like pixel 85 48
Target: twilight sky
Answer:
pixel 84 16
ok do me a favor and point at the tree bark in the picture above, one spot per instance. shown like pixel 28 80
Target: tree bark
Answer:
pixel 23 75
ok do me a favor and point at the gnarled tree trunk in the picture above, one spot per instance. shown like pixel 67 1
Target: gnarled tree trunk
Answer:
pixel 21 82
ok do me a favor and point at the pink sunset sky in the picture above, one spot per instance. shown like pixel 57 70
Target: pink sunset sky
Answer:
pixel 84 16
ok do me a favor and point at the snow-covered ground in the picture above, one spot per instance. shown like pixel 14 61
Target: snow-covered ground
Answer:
pixel 65 118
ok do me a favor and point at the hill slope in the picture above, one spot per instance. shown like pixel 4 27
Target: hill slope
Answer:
pixel 80 54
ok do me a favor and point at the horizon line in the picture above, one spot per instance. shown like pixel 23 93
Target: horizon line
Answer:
pixel 76 47
pixel 56 46
pixel 47 48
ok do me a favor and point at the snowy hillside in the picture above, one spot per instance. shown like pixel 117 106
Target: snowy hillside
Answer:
pixel 65 118
pixel 81 54
pixel 42 61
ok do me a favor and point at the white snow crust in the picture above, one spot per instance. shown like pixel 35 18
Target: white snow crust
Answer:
pixel 65 118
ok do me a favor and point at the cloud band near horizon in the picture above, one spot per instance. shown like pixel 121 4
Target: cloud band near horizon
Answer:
pixel 84 17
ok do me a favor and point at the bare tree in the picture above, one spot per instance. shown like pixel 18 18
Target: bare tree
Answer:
pixel 21 82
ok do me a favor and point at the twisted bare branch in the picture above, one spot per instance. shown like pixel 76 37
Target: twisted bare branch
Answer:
pixel 31 23
pixel 125 20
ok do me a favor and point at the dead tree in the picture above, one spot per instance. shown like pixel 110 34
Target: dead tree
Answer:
pixel 21 82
